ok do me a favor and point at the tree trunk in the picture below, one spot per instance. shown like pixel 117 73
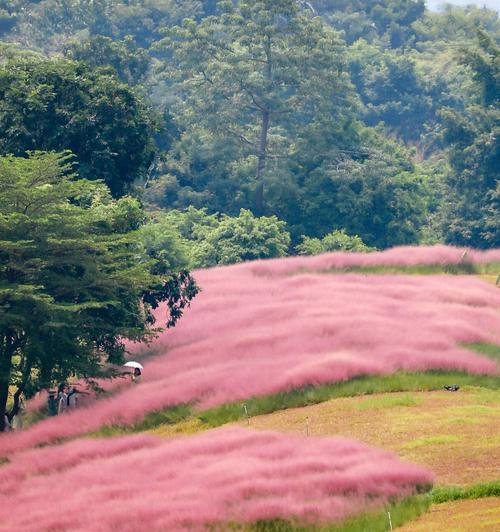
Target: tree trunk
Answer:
pixel 261 166
pixel 17 396
pixel 5 363
pixel 264 130
pixel 9 343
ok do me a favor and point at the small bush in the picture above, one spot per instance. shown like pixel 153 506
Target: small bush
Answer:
pixel 334 241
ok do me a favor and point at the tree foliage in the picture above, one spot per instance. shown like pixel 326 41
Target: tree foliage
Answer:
pixel 387 20
pixel 80 273
pixel 65 105
pixel 337 240
pixel 213 239
pixel 472 208
pixel 130 62
pixel 260 79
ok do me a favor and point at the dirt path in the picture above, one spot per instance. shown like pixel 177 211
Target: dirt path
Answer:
pixel 454 434
pixel 481 515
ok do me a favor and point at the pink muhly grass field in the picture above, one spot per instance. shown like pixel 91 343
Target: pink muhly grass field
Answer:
pixel 231 474
pixel 255 331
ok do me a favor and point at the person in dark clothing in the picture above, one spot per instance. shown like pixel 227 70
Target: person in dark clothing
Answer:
pixel 137 375
pixel 52 404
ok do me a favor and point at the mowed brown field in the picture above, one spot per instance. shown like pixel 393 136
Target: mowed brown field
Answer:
pixel 455 434
pixel 480 515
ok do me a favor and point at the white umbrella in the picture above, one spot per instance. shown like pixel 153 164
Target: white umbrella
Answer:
pixel 133 364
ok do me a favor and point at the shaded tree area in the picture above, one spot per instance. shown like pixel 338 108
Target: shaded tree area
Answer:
pixel 389 21
pixel 327 114
pixel 472 208
pixel 80 274
pixel 63 105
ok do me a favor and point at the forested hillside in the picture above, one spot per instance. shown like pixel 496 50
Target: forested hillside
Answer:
pixel 345 123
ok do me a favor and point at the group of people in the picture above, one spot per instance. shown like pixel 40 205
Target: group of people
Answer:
pixel 65 399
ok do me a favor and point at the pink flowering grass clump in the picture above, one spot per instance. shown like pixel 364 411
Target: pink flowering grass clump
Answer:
pixel 249 334
pixel 221 476
pixel 398 256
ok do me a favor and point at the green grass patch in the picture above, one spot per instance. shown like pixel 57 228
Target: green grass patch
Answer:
pixel 488 350
pixel 386 401
pixel 169 416
pixel 310 395
pixel 366 385
pixel 444 494
pixel 432 440
pixel 461 268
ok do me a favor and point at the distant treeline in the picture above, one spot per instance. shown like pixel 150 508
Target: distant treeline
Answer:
pixel 371 118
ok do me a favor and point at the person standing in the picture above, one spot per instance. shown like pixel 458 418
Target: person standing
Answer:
pixel 17 420
pixel 62 399
pixel 52 404
pixel 73 398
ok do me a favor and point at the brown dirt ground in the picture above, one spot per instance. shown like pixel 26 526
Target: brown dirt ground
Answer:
pixel 456 435
pixel 480 515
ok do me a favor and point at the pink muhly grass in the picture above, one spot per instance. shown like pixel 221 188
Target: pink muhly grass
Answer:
pixel 250 334
pixel 398 256
pixel 229 474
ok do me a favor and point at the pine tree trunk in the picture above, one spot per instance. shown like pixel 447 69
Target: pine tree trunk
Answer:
pixel 261 166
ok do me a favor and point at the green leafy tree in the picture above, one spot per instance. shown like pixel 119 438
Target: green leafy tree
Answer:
pixel 472 207
pixel 50 24
pixel 80 273
pixel 256 81
pixel 212 239
pixel 337 240
pixel 392 91
pixel 374 191
pixel 388 21
pixel 59 105
pixel 130 62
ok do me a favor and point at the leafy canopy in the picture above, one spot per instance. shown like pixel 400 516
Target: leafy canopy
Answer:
pixel 257 82
pixel 337 240
pixel 472 208
pixel 212 239
pixel 64 105
pixel 80 273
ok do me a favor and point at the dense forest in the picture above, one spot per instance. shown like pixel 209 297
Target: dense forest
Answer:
pixel 378 120
pixel 140 139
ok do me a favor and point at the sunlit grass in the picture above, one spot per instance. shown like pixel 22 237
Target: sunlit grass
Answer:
pixel 387 401
pixel 400 512
pixel 432 440
pixel 444 494
pixel 489 350
pixel 396 382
